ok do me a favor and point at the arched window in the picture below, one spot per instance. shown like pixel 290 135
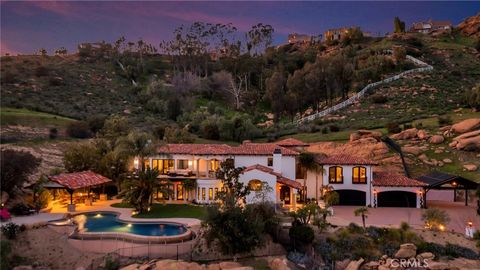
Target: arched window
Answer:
pixel 255 185
pixel 359 175
pixel 335 175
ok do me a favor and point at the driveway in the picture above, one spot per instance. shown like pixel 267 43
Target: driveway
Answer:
pixel 392 216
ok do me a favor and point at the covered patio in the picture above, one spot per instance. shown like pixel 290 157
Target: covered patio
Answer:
pixel 79 186
pixel 443 181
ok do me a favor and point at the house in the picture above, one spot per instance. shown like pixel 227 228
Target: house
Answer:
pixel 296 38
pixel 431 26
pixel 277 166
pixel 335 33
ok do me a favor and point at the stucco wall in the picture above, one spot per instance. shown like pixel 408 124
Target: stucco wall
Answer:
pixel 348 181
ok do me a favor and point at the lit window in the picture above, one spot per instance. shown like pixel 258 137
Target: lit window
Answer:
pixel 214 164
pixel 179 192
pixel 216 192
pixel 335 175
pixel 255 184
pixel 210 194
pixel 182 164
pixel 203 194
pixel 359 175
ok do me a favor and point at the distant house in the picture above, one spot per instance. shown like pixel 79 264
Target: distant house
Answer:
pixel 296 38
pixel 431 26
pixel 335 33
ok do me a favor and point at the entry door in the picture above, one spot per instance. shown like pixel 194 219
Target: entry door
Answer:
pixel 285 194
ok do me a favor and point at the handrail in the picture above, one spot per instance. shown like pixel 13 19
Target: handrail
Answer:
pixel 423 67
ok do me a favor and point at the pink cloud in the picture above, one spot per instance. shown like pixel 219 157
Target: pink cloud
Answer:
pixel 61 8
pixel 5 48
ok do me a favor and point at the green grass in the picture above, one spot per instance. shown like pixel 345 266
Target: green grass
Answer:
pixel 170 211
pixel 12 116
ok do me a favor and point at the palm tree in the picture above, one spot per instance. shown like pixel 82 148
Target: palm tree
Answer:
pixel 136 144
pixel 362 211
pixel 307 161
pixel 139 189
pixel 189 185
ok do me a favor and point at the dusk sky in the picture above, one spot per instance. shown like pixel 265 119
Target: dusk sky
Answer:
pixel 29 26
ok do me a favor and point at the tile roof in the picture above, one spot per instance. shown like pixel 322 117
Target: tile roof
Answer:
pixel 291 142
pixel 343 159
pixel 280 178
pixel 387 179
pixel 78 180
pixel 223 149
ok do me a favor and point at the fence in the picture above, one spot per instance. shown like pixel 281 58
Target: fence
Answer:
pixel 423 67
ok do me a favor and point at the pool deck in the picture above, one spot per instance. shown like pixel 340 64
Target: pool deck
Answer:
pixel 125 214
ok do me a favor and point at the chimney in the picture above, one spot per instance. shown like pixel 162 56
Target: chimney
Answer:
pixel 277 160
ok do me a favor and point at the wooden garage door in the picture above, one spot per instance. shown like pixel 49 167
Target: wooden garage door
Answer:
pixel 396 199
pixel 352 197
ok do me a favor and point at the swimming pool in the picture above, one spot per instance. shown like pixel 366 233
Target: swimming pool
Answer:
pixel 103 222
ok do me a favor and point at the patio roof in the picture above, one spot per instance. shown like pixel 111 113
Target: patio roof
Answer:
pixel 78 180
pixel 437 180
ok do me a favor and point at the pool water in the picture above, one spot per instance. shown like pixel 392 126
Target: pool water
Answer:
pixel 108 222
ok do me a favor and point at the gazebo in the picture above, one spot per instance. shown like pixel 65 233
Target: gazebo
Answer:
pixel 444 181
pixel 74 181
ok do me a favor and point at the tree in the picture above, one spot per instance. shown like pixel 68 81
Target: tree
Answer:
pixel 178 135
pixel 43 52
pixel 362 211
pixel 138 189
pixel 262 195
pixel 114 127
pixel 305 214
pixel 330 197
pixel 231 87
pixel 260 34
pixel 308 163
pixel 435 219
pixel 398 25
pixel 234 192
pixel 275 94
pixel 81 157
pixel 16 166
pixel 136 145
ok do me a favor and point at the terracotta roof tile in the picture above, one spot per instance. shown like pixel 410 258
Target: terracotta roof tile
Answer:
pixel 387 179
pixel 280 178
pixel 343 159
pixel 78 180
pixel 223 149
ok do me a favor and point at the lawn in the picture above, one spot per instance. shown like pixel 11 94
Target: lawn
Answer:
pixel 13 116
pixel 170 211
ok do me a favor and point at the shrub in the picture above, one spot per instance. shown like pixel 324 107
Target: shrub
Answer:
pixel 449 250
pixel 435 218
pixel 41 71
pixel 379 99
pixel 10 230
pixel 16 167
pixel 324 130
pixel 407 126
pixel 393 128
pixel 301 234
pixel 20 209
pixel 472 97
pixel 55 81
pixel 444 120
pixel 111 263
pixel 53 133
pixel 79 130
pixel 334 128
pixel 210 130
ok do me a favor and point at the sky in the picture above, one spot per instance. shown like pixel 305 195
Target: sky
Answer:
pixel 27 26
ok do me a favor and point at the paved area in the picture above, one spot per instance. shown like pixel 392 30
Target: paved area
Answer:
pixel 59 211
pixel 392 217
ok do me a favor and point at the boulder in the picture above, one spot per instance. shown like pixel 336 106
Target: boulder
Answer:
pixel 279 264
pixel 229 265
pixel 414 150
pixel 422 134
pixel 383 267
pixel 355 265
pixel 469 141
pixel 426 256
pixel 373 265
pixel 439 266
pixel 436 139
pixel 362 133
pixel 23 267
pixel 213 267
pixel 447 160
pixel 406 134
pixel 470 167
pixel 466 125
pixel 406 251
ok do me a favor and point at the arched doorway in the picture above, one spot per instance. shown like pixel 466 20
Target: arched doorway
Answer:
pixel 352 197
pixel 397 199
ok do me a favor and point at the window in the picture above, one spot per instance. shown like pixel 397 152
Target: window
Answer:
pixel 270 161
pixel 255 185
pixel 163 165
pixel 335 175
pixel 179 192
pixel 216 193
pixel 203 194
pixel 198 193
pixel 214 164
pixel 182 164
pixel 147 164
pixel 210 194
pixel 359 175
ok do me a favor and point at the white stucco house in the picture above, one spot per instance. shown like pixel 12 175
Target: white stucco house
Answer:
pixel 277 165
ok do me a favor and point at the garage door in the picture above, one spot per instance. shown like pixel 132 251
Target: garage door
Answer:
pixel 352 197
pixel 396 199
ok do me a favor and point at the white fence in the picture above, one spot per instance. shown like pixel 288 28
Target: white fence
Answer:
pixel 423 67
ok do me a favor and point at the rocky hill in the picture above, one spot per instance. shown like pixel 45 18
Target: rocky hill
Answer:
pixel 471 26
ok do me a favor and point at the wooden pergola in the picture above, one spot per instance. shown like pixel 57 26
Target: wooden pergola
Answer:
pixel 444 181
pixel 77 180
